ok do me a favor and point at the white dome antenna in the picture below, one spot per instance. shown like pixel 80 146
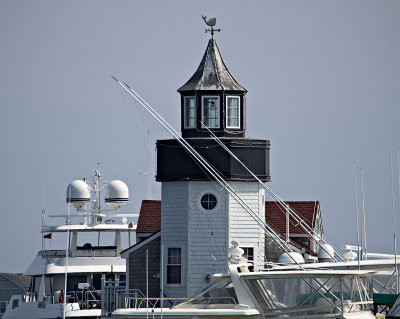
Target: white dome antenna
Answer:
pixel 326 253
pixel 291 257
pixel 78 194
pixel 116 194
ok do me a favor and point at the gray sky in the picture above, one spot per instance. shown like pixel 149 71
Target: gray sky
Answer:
pixel 323 81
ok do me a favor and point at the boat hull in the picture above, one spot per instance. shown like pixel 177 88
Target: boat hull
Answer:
pixel 176 313
pixel 19 309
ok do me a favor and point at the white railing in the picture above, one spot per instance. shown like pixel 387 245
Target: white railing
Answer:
pixel 86 299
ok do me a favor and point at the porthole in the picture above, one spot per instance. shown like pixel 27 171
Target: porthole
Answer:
pixel 208 201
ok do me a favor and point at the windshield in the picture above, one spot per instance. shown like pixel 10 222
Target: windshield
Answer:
pixel 311 295
pixel 219 294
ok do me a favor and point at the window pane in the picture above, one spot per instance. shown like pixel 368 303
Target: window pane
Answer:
pixel 208 201
pixel 248 253
pixel 233 112
pixel 174 274
pixel 211 112
pixel 189 112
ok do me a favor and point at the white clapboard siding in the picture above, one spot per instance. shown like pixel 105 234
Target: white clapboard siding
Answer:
pixel 174 230
pixel 205 236
pixel 243 228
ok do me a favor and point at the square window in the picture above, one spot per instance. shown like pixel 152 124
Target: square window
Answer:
pixel 210 111
pixel 232 112
pixel 248 253
pixel 189 112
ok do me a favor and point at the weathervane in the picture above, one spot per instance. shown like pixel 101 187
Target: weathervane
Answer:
pixel 211 23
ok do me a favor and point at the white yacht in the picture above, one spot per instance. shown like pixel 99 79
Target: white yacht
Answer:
pixel 268 294
pixel 67 282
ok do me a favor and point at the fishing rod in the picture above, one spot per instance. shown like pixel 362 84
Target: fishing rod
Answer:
pixel 208 167
pixel 292 213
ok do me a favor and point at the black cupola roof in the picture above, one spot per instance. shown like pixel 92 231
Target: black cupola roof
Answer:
pixel 212 74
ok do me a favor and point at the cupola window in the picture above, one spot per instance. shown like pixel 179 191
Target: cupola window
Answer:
pixel 232 112
pixel 210 111
pixel 189 112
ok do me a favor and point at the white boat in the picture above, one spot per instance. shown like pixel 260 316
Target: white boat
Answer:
pixel 81 271
pixel 269 294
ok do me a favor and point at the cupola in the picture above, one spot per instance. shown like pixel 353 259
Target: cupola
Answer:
pixel 212 99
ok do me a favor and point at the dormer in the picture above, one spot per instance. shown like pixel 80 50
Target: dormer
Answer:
pixel 212 99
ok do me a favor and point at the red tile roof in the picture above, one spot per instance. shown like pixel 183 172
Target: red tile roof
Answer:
pixel 275 216
pixel 150 217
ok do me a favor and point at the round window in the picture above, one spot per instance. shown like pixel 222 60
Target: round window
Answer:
pixel 208 201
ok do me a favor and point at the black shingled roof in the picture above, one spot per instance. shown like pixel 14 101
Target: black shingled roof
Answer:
pixel 212 73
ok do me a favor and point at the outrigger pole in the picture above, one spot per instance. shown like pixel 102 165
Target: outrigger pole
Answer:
pixel 292 213
pixel 209 168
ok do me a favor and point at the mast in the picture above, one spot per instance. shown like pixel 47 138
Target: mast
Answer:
pixel 66 258
pixel 394 225
pixel 356 207
pixel 364 230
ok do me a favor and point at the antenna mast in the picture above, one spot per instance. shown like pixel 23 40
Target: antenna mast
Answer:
pixel 394 225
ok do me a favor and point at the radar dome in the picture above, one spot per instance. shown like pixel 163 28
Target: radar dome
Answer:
pixel 78 193
pixel 116 193
pixel 291 258
pixel 349 255
pixel 326 253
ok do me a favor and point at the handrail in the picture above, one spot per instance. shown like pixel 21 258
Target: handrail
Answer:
pixel 141 302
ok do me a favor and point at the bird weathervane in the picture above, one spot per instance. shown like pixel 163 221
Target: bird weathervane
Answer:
pixel 211 23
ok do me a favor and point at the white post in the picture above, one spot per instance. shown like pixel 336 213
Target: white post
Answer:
pixel 149 181
pixel 287 224
pixel 162 280
pixel 74 243
pixel 147 284
pixel 118 240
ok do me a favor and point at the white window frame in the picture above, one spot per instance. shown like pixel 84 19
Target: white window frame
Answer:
pixel 254 255
pixel 185 113
pixel 253 250
pixel 201 208
pixel 181 284
pixel 202 110
pixel 227 105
